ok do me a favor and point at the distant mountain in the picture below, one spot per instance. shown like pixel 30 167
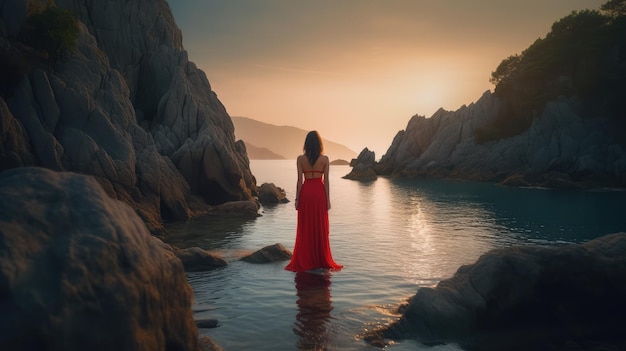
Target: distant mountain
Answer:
pixel 284 141
pixel 261 153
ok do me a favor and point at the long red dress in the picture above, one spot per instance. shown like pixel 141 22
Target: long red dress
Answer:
pixel 312 248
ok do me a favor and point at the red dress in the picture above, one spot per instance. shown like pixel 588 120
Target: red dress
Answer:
pixel 312 248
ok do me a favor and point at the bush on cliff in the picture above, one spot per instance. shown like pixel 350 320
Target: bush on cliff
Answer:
pixel 52 30
pixel 583 56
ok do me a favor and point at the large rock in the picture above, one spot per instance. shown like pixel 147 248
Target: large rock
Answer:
pixel 270 194
pixel 363 166
pixel 128 107
pixel 525 298
pixel 80 271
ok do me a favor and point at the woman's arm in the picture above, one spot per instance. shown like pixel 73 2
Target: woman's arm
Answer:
pixel 299 184
pixel 326 180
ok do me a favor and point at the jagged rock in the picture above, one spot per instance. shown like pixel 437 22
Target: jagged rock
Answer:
pixel 523 297
pixel 268 254
pixel 127 107
pixel 363 166
pixel 237 209
pixel 80 271
pixel 564 139
pixel 271 194
pixel 196 259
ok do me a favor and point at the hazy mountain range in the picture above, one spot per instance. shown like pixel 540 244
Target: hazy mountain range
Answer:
pixel 269 141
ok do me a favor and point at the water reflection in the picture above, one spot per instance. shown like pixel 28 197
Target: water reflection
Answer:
pixel 209 232
pixel 314 306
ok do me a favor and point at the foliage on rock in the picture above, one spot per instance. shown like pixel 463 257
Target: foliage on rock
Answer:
pixel 583 56
pixel 53 30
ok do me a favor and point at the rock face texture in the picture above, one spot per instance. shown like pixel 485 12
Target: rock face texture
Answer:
pixel 80 271
pixel 525 298
pixel 565 145
pixel 127 107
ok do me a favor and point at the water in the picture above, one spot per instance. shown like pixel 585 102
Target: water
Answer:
pixel 393 237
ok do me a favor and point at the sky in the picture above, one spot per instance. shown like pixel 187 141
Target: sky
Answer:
pixel 357 70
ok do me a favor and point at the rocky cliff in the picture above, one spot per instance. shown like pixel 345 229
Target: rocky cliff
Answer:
pixel 126 106
pixel 567 145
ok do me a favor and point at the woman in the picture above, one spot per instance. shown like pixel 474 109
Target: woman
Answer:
pixel 312 248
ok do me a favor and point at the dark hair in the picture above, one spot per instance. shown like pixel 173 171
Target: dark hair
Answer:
pixel 313 146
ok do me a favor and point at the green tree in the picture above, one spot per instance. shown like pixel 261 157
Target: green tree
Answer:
pixel 505 69
pixel 614 8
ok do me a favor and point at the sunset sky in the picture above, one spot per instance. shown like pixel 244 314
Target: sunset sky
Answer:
pixel 357 70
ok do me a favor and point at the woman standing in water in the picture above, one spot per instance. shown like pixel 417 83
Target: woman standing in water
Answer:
pixel 312 248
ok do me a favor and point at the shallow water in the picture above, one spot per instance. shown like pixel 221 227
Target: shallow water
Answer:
pixel 393 237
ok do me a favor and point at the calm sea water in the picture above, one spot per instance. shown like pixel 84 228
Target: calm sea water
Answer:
pixel 393 237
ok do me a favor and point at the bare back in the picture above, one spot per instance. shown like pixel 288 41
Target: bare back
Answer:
pixel 316 170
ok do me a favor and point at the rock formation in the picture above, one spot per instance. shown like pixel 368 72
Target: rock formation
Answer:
pixel 271 194
pixel 80 271
pixel 127 107
pixel 363 166
pixel 565 146
pixel 525 298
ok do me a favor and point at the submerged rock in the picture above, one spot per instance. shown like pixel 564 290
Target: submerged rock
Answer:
pixel 268 254
pixel 80 271
pixel 196 259
pixel 524 298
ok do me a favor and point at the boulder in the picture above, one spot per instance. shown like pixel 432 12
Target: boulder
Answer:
pixel 270 194
pixel 525 298
pixel 268 254
pixel 80 271
pixel 363 166
pixel 195 259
